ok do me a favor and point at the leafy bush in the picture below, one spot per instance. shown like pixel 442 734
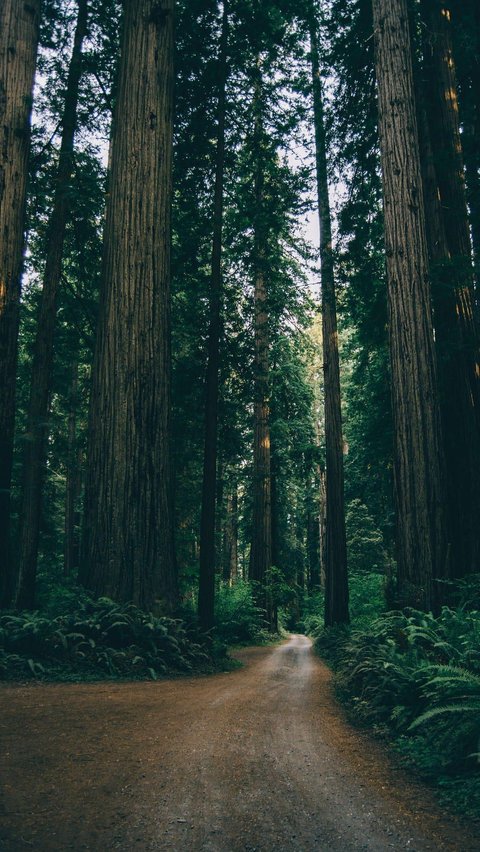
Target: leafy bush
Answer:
pixel 313 614
pixel 367 598
pixel 238 620
pixel 99 639
pixel 367 601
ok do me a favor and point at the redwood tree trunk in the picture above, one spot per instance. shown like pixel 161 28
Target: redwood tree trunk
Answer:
pixel 206 591
pixel 261 549
pixel 230 572
pixel 336 578
pixel 443 118
pixel 453 297
pixel 128 546
pixel 418 450
pixel 19 23
pixel 37 428
pixel 72 485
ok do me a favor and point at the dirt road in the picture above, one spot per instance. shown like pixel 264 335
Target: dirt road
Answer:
pixel 256 760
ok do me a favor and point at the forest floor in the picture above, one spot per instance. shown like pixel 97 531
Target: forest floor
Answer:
pixel 260 759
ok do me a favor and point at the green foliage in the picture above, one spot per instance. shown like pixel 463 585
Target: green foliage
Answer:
pixel 238 620
pixel 364 540
pixel 312 614
pixel 99 639
pixel 367 598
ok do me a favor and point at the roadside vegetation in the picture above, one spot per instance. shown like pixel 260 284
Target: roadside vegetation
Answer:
pixel 414 679
pixel 73 637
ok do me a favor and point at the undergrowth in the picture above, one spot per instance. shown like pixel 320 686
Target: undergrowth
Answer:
pixel 101 639
pixel 416 679
pixel 237 620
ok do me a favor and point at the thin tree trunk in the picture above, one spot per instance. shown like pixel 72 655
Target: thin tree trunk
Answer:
pixel 19 24
pixel 418 447
pixel 70 551
pixel 230 572
pixel 336 577
pixel 128 544
pixel 40 386
pixel 275 507
pixel 322 523
pixel 261 549
pixel 313 550
pixel 206 592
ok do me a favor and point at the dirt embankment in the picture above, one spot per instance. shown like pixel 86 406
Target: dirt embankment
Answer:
pixel 257 760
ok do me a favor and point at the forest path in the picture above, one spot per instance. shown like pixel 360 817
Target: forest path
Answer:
pixel 256 760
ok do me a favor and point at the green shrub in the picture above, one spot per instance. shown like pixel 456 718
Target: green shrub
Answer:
pixel 238 621
pixel 99 639
pixel 417 678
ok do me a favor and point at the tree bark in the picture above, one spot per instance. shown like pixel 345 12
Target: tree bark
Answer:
pixel 336 577
pixel 313 550
pixel 422 552
pixel 261 549
pixel 19 24
pixel 322 518
pixel 230 572
pixel 40 386
pixel 72 486
pixel 465 27
pixel 206 592
pixel 452 295
pixel 443 118
pixel 128 544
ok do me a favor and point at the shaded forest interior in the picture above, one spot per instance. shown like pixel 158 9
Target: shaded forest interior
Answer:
pixel 213 423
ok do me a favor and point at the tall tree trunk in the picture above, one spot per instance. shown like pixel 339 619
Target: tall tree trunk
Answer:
pixel 275 506
pixel 71 550
pixel 322 526
pixel 418 448
pixel 261 549
pixel 206 592
pixel 19 24
pixel 313 548
pixel 37 416
pixel 230 570
pixel 128 544
pixel 455 355
pixel 336 577
pixel 443 118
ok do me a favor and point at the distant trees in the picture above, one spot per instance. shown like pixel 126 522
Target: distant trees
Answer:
pixel 40 384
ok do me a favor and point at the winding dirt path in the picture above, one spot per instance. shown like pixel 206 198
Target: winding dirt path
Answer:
pixel 257 760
